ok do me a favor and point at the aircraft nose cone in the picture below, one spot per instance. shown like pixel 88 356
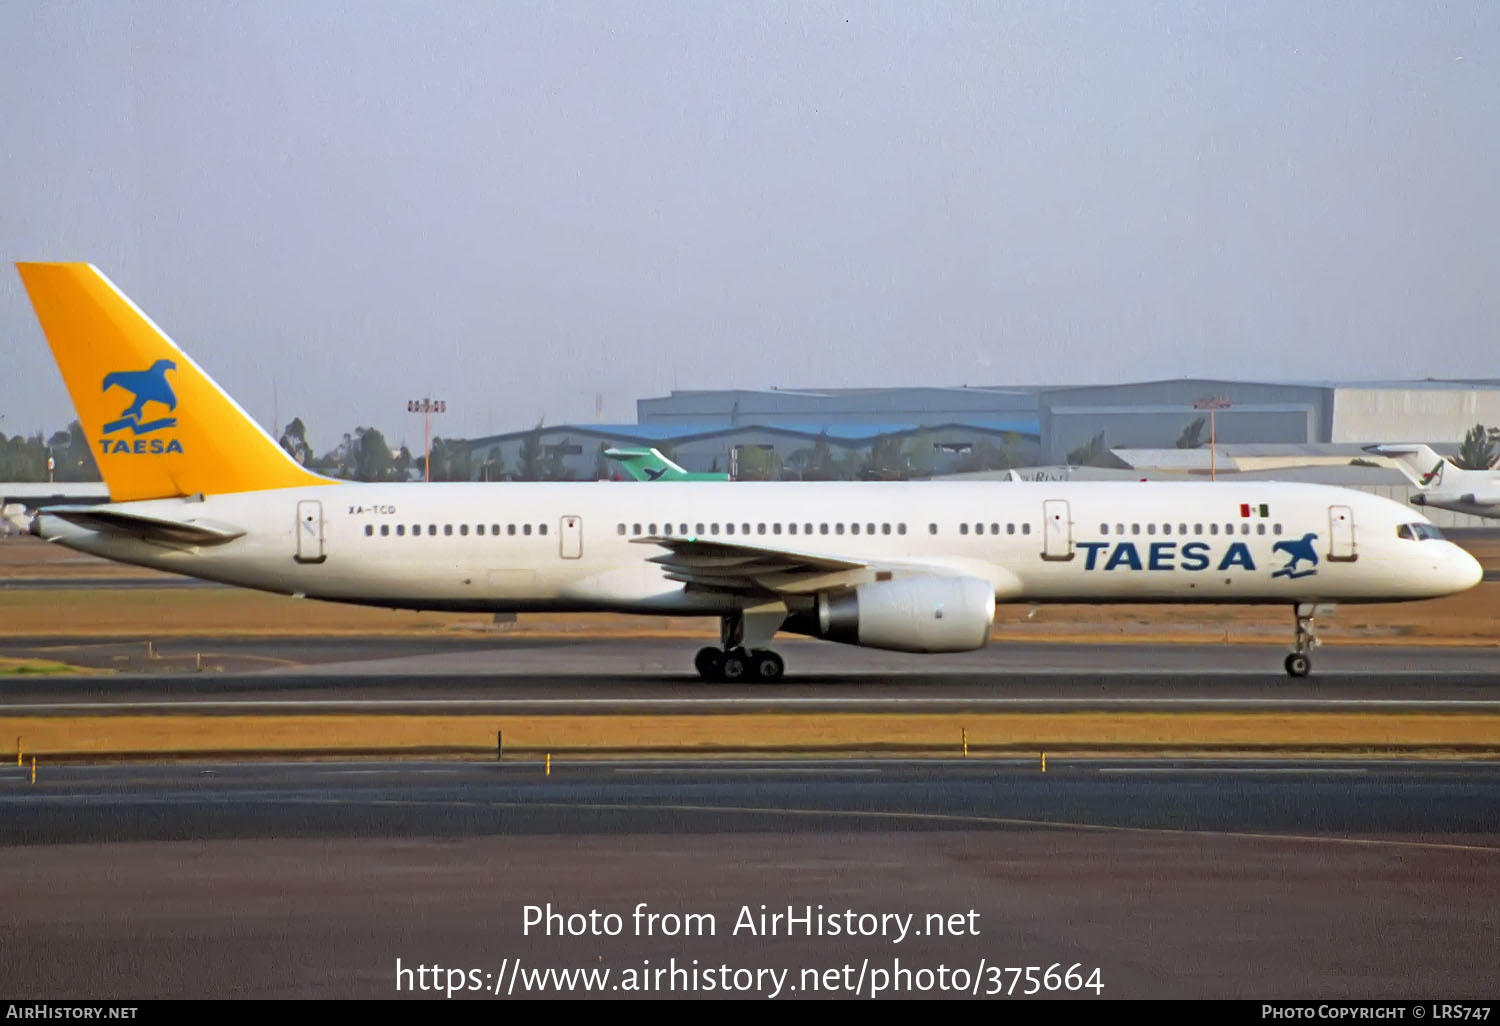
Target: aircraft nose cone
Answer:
pixel 1465 570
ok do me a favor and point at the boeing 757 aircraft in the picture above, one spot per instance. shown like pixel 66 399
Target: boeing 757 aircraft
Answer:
pixel 198 488
pixel 1441 484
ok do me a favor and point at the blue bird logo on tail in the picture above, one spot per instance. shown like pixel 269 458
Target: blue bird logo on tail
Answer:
pixel 148 386
pixel 1301 551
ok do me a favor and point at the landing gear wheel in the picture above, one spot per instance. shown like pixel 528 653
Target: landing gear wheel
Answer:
pixel 735 667
pixel 1298 664
pixel 709 663
pixel 767 666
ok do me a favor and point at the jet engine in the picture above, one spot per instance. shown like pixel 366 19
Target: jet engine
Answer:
pixel 912 614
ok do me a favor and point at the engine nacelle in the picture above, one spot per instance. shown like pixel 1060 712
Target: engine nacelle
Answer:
pixel 913 614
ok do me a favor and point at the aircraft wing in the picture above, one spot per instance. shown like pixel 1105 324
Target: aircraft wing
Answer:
pixel 147 526
pixel 737 567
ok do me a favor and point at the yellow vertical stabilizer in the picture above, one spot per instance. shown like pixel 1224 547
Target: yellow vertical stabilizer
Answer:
pixel 157 424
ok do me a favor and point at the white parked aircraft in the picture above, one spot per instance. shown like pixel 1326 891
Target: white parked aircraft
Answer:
pixel 198 488
pixel 1443 485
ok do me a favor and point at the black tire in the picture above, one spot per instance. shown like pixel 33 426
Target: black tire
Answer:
pixel 708 662
pixel 1298 665
pixel 767 666
pixel 735 667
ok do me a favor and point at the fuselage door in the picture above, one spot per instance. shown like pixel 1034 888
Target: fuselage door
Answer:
pixel 1341 534
pixel 1057 530
pixel 570 538
pixel 310 531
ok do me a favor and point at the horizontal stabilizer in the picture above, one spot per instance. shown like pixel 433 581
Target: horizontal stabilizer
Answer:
pixel 142 525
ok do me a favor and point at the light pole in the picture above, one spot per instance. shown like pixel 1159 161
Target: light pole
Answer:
pixel 426 407
pixel 1211 405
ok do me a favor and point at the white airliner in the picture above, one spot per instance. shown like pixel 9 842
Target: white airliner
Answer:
pixel 198 488
pixel 1443 485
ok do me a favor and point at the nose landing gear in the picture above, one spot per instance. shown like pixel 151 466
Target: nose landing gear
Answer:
pixel 1299 661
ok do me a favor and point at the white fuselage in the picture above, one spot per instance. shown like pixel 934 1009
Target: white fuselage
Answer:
pixel 576 546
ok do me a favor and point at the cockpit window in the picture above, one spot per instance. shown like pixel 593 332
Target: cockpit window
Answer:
pixel 1419 532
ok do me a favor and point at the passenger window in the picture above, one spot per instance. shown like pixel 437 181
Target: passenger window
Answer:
pixel 791 528
pixel 885 528
pixel 744 529
pixel 1260 528
pixel 760 528
pixel 447 530
pixel 478 528
pixel 807 529
pixel 666 529
pixel 1010 528
pixel 463 529
pixel 1135 528
pixel 853 528
pixel 1182 528
pixel 776 528
pixel 1103 528
pixel 526 529
pixel 541 529
pixel 1119 529
pixel 932 528
pixel 495 529
pixel 1150 528
pixel 713 528
pixel 401 530
pixel 1228 528
pixel 838 528
pixel 822 528
pixel 620 530
pixel 1275 528
pixel 431 530
pixel 1213 528
pixel 1025 528
pixel 869 529
pixel 510 529
pixel 1197 528
pixel 385 529
pixel 369 530
pixel 1244 529
pixel 728 528
pixel 700 528
pixel 963 528
pixel 900 528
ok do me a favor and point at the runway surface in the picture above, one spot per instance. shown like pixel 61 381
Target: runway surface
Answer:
pixel 1236 878
pixel 591 674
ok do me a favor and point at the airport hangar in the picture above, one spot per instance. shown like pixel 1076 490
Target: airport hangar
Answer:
pixel 1292 424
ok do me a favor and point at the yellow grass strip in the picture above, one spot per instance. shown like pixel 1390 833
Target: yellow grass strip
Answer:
pixel 77 735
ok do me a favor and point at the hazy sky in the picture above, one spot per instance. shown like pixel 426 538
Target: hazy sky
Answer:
pixel 335 207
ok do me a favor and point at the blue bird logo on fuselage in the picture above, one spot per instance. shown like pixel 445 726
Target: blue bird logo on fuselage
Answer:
pixel 1301 551
pixel 148 386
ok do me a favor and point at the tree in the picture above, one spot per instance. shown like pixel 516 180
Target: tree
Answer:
pixel 294 441
pixel 493 468
pixel 886 462
pixel 372 456
pixel 1478 449
pixel 1192 435
pixel 533 459
pixel 919 453
pixel 75 459
pixel 23 458
pixel 758 464
pixel 1089 455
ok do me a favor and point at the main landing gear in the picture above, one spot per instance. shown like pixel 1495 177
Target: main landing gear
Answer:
pixel 1299 661
pixel 743 656
pixel 738 664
